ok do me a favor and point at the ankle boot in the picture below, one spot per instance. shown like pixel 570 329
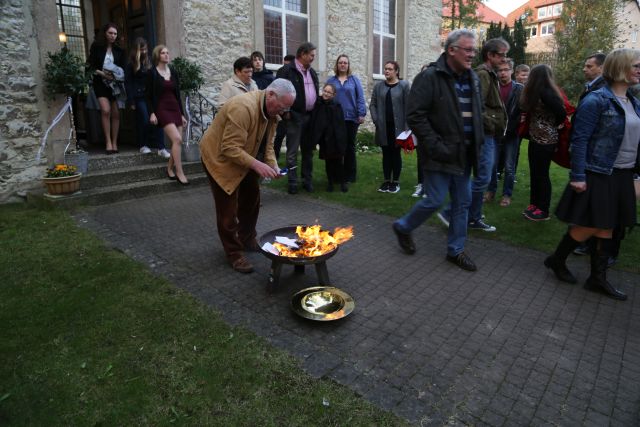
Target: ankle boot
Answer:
pixel 557 261
pixel 597 281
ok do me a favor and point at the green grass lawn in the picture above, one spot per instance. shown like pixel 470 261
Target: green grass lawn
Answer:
pixel 512 227
pixel 90 337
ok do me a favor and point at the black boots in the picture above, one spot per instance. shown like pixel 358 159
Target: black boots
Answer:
pixel 557 261
pixel 597 281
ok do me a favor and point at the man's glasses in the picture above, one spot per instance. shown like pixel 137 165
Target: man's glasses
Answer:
pixel 467 49
pixel 501 54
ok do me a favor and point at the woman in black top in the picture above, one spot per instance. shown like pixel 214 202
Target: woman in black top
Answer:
pixel 105 51
pixel 543 101
pixel 136 74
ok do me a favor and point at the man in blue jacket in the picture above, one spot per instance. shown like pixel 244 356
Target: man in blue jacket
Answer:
pixel 445 114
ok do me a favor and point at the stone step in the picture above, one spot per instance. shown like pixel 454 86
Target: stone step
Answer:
pixel 114 193
pixel 102 161
pixel 129 174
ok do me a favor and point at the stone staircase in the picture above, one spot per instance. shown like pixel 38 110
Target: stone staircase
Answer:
pixel 123 176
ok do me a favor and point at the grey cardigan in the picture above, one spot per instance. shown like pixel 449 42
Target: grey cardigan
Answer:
pixel 399 98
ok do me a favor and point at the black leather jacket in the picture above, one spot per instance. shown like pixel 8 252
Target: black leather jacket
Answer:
pixel 435 118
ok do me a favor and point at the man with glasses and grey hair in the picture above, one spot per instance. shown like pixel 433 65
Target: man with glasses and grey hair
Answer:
pixel 236 151
pixel 444 112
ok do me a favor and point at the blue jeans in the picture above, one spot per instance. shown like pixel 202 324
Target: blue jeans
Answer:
pixel 510 150
pixel 436 185
pixel 483 177
pixel 145 132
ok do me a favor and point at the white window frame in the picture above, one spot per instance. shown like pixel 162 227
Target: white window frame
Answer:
pixel 634 36
pixel 544 29
pixel 542 12
pixel 531 31
pixel 283 13
pixel 383 35
pixel 557 9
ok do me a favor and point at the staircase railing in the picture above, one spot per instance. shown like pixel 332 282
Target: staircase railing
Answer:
pixel 200 114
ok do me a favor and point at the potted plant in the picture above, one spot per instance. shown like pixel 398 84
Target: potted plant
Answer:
pixel 65 74
pixel 62 179
pixel 191 80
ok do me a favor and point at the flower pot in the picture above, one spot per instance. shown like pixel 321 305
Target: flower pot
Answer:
pixel 62 185
pixel 191 153
pixel 79 159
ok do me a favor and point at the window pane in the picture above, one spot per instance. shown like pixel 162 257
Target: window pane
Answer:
pixel 377 68
pixel 388 49
pixel 72 20
pixel 71 2
pixel 299 6
pixel 296 32
pixel 276 3
pixel 273 37
pixel 377 10
pixel 76 46
pixel 390 17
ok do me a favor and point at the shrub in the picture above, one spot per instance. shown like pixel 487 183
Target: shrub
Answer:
pixel 365 142
pixel 190 74
pixel 64 73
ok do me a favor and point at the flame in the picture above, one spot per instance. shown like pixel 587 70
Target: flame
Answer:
pixel 313 241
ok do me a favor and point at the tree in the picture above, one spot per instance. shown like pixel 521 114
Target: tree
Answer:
pixel 585 27
pixel 518 42
pixel 462 13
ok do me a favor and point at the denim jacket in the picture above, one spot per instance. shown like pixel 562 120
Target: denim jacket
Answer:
pixel 598 129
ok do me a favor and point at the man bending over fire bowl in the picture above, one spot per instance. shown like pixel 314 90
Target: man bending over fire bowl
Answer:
pixel 236 151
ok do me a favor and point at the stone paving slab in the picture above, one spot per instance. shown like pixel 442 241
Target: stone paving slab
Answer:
pixel 506 345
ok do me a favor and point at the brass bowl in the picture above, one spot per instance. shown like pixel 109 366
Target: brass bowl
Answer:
pixel 322 303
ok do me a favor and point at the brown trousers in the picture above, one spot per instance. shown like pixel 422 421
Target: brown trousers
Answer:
pixel 237 214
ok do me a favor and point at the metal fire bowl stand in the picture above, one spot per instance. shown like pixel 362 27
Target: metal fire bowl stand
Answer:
pixel 277 261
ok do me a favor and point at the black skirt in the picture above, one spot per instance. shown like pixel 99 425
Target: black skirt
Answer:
pixel 101 90
pixel 608 202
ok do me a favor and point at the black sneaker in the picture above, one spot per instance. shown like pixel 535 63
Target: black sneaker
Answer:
pixel 537 215
pixel 480 225
pixel 384 188
pixel 462 261
pixel 582 249
pixel 394 187
pixel 293 189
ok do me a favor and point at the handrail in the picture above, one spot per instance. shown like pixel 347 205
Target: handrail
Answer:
pixel 200 114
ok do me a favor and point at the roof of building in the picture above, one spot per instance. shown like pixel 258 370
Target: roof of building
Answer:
pixel 484 13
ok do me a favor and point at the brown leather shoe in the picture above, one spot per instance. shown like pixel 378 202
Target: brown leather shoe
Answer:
pixel 242 265
pixel 463 261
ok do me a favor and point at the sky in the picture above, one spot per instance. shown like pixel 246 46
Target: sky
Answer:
pixel 503 7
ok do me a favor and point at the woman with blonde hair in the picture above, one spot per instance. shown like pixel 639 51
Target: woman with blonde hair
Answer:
pixel 165 107
pixel 350 96
pixel 600 195
pixel 136 74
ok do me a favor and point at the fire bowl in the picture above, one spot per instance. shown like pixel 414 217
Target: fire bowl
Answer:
pixel 322 303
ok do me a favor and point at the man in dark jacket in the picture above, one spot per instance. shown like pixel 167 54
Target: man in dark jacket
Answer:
pixel 445 114
pixel 593 73
pixel 507 146
pixel 305 80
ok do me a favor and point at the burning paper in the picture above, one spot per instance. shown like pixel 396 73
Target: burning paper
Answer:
pixel 313 241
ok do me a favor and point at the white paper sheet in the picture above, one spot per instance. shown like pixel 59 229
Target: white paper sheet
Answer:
pixel 268 247
pixel 287 241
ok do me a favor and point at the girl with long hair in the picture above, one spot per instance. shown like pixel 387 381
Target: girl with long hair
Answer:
pixel 543 101
pixel 104 52
pixel 136 74
pixel 165 107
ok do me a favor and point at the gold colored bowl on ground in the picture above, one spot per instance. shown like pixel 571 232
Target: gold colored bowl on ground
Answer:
pixel 322 303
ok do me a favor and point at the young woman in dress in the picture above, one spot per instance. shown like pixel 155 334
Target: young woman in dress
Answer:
pixel 136 75
pixel 165 108
pixel 105 51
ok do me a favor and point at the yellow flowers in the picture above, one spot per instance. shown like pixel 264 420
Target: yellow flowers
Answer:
pixel 61 170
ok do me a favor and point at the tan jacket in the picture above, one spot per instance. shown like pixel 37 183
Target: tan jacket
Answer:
pixel 231 143
pixel 233 87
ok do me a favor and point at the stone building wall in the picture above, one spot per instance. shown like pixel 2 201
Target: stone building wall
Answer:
pixel 216 34
pixel 423 40
pixel 19 113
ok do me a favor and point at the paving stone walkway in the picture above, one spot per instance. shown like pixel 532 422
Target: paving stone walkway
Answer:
pixel 506 345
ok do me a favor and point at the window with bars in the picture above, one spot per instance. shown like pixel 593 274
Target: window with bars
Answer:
pixel 71 22
pixel 286 26
pixel 384 33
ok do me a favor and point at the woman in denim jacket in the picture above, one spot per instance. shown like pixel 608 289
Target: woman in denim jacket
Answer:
pixel 600 195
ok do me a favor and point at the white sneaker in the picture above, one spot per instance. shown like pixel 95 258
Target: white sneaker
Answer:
pixel 418 192
pixel 144 150
pixel 164 153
